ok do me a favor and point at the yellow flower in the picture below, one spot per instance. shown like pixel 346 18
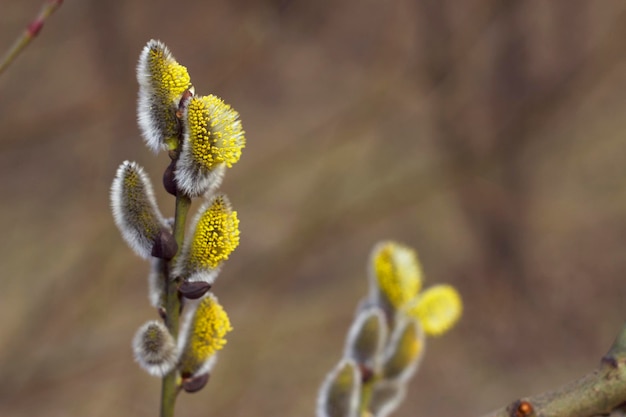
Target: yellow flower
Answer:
pixel 215 132
pixel 162 83
pixel 438 309
pixel 213 141
pixel 398 279
pixel 204 335
pixel 397 272
pixel 215 236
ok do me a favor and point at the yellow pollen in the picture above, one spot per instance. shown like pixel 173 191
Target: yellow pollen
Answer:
pixel 209 327
pixel 215 237
pixel 169 81
pixel 438 309
pixel 215 132
pixel 398 273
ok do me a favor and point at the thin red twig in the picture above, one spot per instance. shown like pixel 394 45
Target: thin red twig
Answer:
pixel 31 31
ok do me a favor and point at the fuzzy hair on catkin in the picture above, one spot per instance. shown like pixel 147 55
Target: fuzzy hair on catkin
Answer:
pixel 134 208
pixel 367 337
pixel 335 398
pixel 156 283
pixel 195 181
pixel 387 397
pixel 160 90
pixel 400 364
pixel 154 348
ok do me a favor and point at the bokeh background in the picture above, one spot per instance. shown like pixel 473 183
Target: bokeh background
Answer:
pixel 488 134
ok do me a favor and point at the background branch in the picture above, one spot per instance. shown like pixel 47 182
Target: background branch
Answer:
pixel 31 31
pixel 597 393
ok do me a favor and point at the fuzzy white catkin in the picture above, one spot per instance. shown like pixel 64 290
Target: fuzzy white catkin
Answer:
pixel 397 365
pixel 133 206
pixel 336 399
pixel 386 397
pixel 155 349
pixel 366 337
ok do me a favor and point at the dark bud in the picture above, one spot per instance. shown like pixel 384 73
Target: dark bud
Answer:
pixel 165 246
pixel 184 100
pixel 169 181
pixel 366 373
pixel 195 383
pixel 193 290
pixel 162 313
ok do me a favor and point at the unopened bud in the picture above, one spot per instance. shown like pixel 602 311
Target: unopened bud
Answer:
pixel 169 182
pixel 165 246
pixel 195 383
pixel 193 289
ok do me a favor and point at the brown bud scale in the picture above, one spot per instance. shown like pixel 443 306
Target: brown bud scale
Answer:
pixel 165 246
pixel 169 180
pixel 193 290
pixel 195 383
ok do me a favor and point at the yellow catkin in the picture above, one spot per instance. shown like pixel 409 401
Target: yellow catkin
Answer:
pixel 438 309
pixel 169 81
pixel 216 236
pixel 398 273
pixel 209 326
pixel 215 132
pixel 169 78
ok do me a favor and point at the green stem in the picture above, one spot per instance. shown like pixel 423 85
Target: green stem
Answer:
pixel 170 387
pixel 366 396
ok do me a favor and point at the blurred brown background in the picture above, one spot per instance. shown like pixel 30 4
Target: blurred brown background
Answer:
pixel 488 134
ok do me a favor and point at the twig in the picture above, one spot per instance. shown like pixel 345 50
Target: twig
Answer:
pixel 32 30
pixel 597 393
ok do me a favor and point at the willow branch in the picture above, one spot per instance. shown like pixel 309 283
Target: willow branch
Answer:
pixel 598 393
pixel 31 31
pixel 170 386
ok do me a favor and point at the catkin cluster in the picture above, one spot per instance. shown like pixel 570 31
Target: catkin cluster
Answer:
pixel 386 341
pixel 203 137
